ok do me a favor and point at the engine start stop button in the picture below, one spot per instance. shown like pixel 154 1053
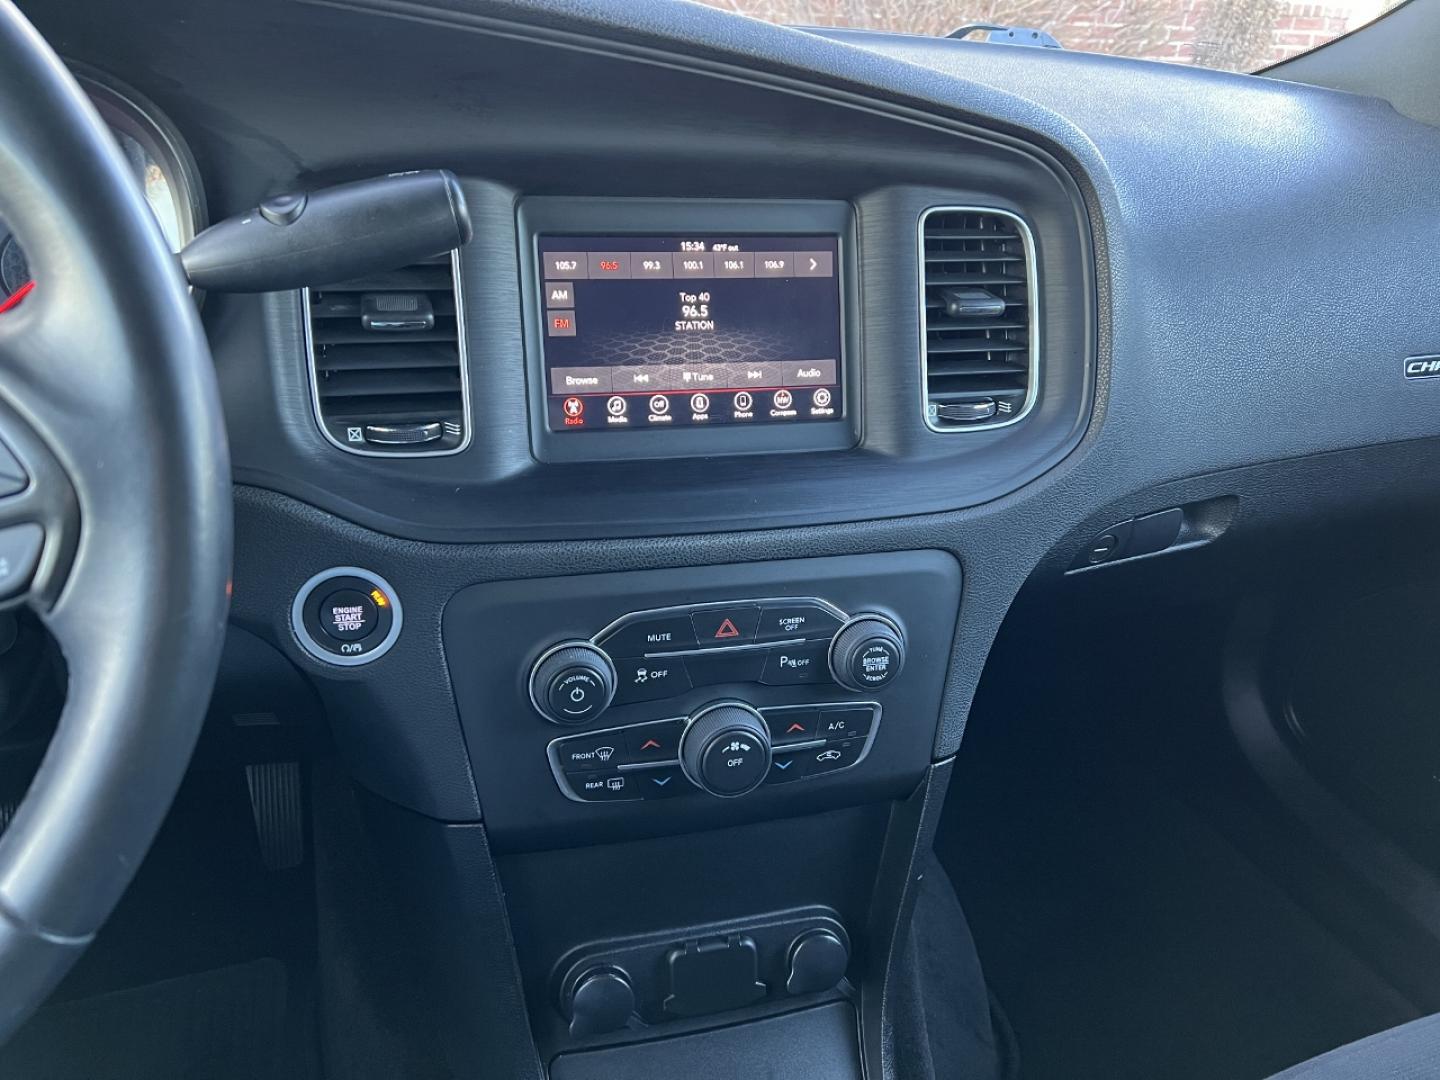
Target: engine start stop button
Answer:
pixel 348 615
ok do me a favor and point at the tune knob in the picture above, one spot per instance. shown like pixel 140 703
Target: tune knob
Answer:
pixel 572 683
pixel 726 749
pixel 867 653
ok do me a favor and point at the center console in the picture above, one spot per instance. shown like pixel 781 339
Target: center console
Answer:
pixel 688 779
pixel 614 705
pixel 646 682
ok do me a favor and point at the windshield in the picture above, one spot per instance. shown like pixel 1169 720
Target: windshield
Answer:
pixel 1234 35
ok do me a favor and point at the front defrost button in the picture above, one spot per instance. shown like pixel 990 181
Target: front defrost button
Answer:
pixel 597 752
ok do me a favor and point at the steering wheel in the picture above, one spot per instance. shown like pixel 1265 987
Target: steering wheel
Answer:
pixel 108 400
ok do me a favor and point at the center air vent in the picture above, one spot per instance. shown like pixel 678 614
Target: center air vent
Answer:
pixel 387 360
pixel 977 319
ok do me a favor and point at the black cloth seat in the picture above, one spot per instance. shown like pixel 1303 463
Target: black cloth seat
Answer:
pixel 1408 1052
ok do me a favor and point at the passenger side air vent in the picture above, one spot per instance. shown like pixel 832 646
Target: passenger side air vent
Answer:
pixel 977 319
pixel 387 361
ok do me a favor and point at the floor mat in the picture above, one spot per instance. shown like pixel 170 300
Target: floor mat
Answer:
pixel 226 1024
pixel 1127 938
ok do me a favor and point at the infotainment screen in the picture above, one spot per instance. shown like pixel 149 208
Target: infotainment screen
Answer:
pixel 660 332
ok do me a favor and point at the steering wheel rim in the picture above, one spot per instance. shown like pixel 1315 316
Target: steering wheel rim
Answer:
pixel 108 397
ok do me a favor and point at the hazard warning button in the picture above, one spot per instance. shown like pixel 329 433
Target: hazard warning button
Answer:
pixel 721 626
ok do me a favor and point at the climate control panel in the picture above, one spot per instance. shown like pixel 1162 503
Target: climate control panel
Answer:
pixel 726 749
pixel 601 706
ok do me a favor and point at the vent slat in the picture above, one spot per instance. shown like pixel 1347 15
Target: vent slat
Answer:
pixel 981 389
pixel 940 325
pixel 934 303
pixel 403 410
pixel 968 234
pixel 359 358
pixel 388 382
pixel 373 377
pixel 941 257
pixel 976 260
pixel 355 335
pixel 417 278
pixel 941 369
pixel 343 305
pixel 973 279
pixel 978 345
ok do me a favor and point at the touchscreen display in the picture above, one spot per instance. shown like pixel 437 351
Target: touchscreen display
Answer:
pixel 645 333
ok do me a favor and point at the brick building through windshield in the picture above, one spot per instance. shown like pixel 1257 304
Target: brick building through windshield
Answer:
pixel 1235 35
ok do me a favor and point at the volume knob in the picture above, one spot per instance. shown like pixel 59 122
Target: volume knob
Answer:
pixel 573 683
pixel 726 749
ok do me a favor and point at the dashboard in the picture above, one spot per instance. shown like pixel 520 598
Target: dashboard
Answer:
pixel 158 158
pixel 779 363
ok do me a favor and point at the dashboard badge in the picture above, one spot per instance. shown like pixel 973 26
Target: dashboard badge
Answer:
pixel 1422 367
